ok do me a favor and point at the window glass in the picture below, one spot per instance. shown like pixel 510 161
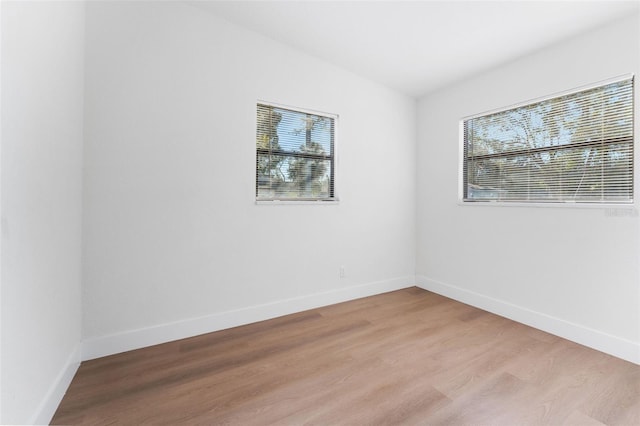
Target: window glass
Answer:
pixel 571 148
pixel 294 154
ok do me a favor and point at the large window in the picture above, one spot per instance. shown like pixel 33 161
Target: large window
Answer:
pixel 577 147
pixel 294 154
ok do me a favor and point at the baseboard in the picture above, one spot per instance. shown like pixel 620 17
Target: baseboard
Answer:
pixel 50 403
pixel 612 345
pixel 140 338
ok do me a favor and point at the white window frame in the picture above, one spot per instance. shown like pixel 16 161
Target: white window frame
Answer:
pixel 629 207
pixel 307 202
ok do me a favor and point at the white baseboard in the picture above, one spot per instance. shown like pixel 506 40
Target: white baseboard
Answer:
pixel 50 403
pixel 612 345
pixel 140 338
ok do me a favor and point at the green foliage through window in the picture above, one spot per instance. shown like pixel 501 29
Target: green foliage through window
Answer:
pixel 572 148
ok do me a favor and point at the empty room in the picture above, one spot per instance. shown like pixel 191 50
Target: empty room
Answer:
pixel 320 212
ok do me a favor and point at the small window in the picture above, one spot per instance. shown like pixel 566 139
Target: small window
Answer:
pixel 577 147
pixel 295 157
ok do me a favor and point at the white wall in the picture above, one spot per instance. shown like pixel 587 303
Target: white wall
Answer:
pixel 174 243
pixel 42 113
pixel 573 271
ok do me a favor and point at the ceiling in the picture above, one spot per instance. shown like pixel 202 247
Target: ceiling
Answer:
pixel 419 46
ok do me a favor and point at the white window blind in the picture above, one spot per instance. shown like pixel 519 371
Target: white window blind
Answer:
pixel 294 154
pixel 576 147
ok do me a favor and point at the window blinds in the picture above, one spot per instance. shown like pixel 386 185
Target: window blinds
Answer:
pixel 294 154
pixel 571 148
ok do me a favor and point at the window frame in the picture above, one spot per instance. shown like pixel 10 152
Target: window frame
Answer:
pixel 624 205
pixel 333 198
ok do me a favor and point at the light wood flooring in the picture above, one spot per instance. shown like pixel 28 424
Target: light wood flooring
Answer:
pixel 405 357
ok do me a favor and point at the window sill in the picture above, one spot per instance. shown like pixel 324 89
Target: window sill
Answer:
pixel 629 208
pixel 297 202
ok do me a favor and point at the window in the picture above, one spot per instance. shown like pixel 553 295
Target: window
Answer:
pixel 295 157
pixel 577 147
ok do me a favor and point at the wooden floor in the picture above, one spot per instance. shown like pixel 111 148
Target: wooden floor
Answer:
pixel 406 357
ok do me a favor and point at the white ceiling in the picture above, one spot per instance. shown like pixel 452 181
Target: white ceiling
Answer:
pixel 418 46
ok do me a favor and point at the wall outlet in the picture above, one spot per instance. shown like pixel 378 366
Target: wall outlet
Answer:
pixel 342 272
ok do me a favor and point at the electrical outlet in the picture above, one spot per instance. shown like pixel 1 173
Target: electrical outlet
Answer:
pixel 342 272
